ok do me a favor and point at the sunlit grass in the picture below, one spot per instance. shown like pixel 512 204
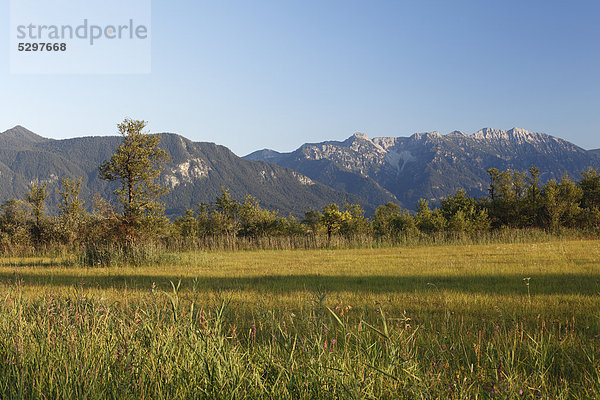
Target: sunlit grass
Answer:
pixel 454 321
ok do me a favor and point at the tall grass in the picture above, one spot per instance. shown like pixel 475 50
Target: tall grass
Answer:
pixel 153 251
pixel 111 255
pixel 321 241
pixel 162 348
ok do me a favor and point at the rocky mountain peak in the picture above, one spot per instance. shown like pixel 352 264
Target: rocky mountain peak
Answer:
pixel 490 133
pixel 514 135
pixel 526 135
pixel 359 135
pixel 426 135
pixel 356 139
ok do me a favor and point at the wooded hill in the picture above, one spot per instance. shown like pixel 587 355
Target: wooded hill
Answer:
pixel 195 173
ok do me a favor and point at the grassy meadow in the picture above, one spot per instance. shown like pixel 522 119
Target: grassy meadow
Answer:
pixel 518 320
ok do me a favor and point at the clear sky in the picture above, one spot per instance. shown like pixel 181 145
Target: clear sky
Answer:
pixel 276 74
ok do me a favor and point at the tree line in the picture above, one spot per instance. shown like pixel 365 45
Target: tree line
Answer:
pixel 516 200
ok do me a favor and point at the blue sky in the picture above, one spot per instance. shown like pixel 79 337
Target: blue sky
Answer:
pixel 276 74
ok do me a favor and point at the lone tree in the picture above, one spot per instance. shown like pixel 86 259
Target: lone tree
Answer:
pixel 136 164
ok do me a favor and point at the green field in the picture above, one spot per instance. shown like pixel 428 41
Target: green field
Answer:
pixel 447 321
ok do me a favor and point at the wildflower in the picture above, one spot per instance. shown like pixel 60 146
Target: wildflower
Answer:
pixel 521 392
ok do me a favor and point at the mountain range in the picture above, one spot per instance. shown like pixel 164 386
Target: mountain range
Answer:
pixel 358 170
pixel 430 165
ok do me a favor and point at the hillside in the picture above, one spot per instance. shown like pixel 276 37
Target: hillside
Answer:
pixel 195 173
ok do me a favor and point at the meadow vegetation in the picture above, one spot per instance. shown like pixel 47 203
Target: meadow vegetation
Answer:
pixel 517 320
